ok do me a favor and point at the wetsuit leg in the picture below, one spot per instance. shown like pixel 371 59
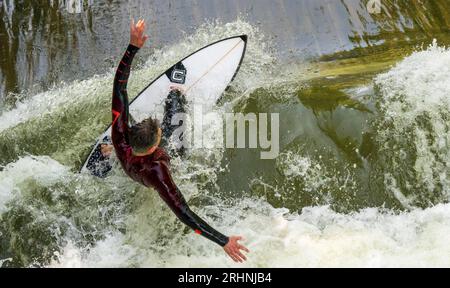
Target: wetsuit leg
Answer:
pixel 175 103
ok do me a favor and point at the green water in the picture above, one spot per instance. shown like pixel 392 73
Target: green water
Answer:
pixel 364 122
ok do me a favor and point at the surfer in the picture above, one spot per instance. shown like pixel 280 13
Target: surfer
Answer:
pixel 138 149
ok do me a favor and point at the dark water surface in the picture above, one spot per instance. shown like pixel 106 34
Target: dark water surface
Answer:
pixel 44 42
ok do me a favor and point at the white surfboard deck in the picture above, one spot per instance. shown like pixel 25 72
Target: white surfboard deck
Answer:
pixel 204 75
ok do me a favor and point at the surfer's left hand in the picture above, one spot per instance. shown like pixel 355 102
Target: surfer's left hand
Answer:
pixel 137 33
pixel 233 249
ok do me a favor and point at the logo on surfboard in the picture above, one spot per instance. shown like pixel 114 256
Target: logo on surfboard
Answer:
pixel 177 74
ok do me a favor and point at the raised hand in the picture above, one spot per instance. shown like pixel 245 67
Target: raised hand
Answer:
pixel 137 33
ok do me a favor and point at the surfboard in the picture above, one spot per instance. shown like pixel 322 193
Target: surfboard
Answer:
pixel 204 75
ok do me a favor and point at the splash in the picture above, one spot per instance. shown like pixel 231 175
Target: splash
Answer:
pixel 319 237
pixel 413 132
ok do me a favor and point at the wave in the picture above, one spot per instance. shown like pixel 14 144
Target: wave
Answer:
pixel 324 202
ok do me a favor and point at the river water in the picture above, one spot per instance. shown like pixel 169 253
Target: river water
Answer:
pixel 362 178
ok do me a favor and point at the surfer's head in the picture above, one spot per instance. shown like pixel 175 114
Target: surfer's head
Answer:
pixel 144 137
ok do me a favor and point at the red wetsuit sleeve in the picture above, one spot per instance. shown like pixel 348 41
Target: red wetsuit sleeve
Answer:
pixel 158 176
pixel 120 101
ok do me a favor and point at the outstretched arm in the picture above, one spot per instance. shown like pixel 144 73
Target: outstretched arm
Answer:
pixel 120 95
pixel 159 177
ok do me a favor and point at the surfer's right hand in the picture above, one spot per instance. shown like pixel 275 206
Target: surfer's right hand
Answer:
pixel 232 248
pixel 137 33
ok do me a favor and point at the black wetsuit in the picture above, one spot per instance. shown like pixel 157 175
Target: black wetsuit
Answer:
pixel 175 103
pixel 153 171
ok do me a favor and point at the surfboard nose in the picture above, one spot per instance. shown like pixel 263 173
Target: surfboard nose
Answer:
pixel 244 37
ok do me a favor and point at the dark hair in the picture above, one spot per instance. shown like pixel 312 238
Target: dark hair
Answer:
pixel 143 135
